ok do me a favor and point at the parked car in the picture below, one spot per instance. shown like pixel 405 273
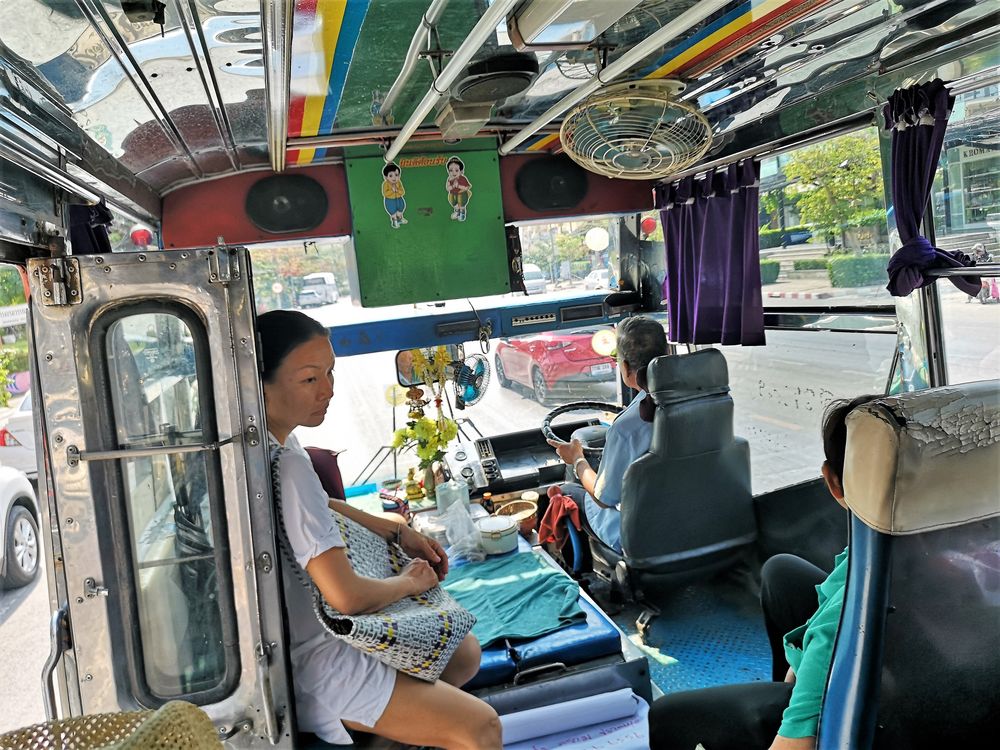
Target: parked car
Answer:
pixel 796 237
pixel 19 551
pixel 323 285
pixel 534 280
pixel 310 298
pixel 599 278
pixel 17 440
pixel 556 363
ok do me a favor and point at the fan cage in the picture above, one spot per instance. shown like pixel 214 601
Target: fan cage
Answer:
pixel 637 130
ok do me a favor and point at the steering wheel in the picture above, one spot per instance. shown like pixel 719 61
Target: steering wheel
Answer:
pixel 577 406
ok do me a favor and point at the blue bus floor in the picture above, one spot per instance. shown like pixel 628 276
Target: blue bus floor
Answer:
pixel 707 634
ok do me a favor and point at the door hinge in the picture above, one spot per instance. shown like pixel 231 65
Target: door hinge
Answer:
pixel 223 266
pixel 60 280
pixel 92 589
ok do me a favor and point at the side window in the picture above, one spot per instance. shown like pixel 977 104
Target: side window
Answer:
pixel 966 204
pixel 177 545
pixel 780 391
pixel 823 228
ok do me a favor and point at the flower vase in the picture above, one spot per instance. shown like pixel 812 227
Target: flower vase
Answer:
pixel 429 482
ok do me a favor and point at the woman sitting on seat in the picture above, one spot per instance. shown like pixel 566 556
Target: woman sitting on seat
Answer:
pixel 802 606
pixel 599 493
pixel 336 685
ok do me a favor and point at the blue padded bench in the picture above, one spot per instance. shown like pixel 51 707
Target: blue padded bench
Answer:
pixel 583 641
pixel 597 636
pixel 496 667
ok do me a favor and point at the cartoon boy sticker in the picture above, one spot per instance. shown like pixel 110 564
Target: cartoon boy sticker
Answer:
pixel 459 188
pixel 392 195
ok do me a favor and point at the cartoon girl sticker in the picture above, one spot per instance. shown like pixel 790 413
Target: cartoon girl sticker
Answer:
pixel 459 188
pixel 392 194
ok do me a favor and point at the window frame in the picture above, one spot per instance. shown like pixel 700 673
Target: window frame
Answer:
pixel 111 475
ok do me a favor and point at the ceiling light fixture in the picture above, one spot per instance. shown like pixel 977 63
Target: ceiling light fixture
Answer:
pixel 563 24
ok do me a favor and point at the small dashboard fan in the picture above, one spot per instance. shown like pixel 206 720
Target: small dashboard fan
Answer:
pixel 471 379
pixel 637 130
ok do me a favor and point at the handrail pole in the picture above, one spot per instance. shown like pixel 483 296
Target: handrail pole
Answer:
pixel 487 25
pixel 427 22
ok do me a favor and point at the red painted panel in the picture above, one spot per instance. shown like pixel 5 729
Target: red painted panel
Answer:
pixel 604 195
pixel 197 215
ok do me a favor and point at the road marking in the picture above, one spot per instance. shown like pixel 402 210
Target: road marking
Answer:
pixel 777 422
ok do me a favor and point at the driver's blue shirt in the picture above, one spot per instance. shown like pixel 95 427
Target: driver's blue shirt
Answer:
pixel 627 439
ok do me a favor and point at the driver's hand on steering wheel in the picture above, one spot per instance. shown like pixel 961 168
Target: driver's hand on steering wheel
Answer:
pixel 570 452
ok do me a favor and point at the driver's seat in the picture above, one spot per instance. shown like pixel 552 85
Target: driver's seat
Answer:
pixel 687 509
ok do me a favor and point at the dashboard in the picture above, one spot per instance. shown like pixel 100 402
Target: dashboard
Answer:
pixel 512 461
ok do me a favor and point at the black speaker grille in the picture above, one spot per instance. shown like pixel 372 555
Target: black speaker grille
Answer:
pixel 285 203
pixel 551 183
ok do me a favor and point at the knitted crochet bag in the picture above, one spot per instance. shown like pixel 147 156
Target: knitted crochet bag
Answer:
pixel 417 635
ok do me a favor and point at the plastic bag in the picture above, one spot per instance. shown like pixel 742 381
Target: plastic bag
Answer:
pixel 463 534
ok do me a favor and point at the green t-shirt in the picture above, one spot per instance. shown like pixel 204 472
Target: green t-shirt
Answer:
pixel 515 596
pixel 809 649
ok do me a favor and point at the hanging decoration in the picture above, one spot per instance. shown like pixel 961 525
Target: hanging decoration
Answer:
pixel 429 436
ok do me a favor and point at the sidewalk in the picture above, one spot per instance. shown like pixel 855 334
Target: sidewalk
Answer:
pixel 818 288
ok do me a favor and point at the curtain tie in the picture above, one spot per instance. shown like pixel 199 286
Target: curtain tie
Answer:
pixel 906 268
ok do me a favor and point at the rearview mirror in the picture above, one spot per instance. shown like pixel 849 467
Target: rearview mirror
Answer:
pixel 406 371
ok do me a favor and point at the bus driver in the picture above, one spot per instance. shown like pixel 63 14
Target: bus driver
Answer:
pixel 599 494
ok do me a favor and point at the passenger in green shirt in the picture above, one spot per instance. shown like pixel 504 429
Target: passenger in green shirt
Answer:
pixel 802 606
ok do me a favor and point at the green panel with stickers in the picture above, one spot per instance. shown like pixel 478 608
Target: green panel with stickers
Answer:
pixel 429 226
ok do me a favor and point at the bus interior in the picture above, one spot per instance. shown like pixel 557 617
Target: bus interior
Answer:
pixel 492 177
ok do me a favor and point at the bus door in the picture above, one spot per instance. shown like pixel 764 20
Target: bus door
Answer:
pixel 153 423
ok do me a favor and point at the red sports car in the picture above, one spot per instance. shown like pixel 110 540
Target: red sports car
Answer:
pixel 560 363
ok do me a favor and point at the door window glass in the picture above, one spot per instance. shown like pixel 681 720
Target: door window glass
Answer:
pixel 176 546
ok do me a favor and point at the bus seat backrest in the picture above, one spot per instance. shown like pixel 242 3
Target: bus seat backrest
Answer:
pixel 921 621
pixel 686 504
pixel 325 463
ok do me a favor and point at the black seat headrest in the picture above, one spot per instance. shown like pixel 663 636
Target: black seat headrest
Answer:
pixel 682 377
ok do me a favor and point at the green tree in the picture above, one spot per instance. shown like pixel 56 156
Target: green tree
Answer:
pixel 11 289
pixel 837 180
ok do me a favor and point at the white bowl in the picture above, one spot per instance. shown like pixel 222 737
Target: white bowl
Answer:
pixel 499 534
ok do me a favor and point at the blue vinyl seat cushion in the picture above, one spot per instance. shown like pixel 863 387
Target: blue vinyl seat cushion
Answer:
pixel 597 636
pixel 495 667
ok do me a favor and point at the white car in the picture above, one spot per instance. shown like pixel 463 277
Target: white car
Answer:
pixel 599 278
pixel 19 546
pixel 534 280
pixel 17 440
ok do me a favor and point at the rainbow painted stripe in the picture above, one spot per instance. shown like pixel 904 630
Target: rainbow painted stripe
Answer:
pixel 324 36
pixel 326 32
pixel 716 43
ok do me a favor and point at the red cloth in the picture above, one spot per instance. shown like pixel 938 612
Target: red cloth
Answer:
pixel 325 463
pixel 561 508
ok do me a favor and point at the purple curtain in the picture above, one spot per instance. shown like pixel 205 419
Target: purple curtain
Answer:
pixel 918 118
pixel 712 286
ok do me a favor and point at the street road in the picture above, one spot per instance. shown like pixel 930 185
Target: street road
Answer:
pixel 24 646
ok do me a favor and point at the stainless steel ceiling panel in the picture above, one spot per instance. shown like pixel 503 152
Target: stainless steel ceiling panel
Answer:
pixel 231 34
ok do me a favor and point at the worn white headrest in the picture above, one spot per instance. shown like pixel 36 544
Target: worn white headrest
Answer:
pixel 925 460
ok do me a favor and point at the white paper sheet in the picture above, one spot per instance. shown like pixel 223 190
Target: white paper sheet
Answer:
pixel 611 720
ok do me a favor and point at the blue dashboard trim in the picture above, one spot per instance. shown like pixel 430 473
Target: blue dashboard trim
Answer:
pixel 422 327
